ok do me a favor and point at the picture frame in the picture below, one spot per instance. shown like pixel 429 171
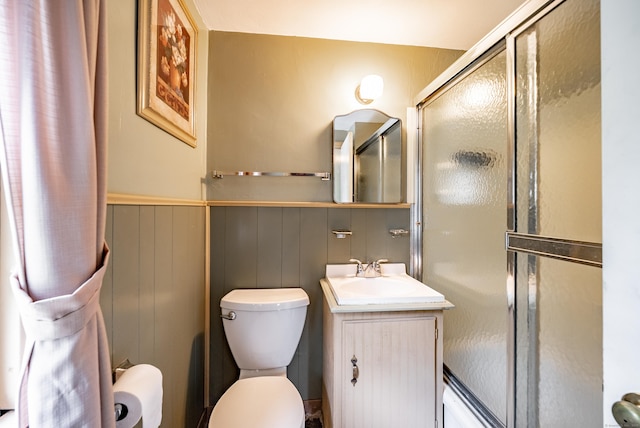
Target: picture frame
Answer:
pixel 167 40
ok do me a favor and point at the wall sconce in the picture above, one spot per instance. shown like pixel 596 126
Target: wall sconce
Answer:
pixel 369 89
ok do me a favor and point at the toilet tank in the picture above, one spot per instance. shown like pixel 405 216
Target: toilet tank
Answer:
pixel 266 328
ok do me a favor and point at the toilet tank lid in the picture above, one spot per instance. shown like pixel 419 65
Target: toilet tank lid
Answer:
pixel 264 299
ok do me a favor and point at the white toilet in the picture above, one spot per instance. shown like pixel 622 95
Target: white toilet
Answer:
pixel 263 328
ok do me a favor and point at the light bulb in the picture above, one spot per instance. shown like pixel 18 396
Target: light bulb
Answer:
pixel 370 88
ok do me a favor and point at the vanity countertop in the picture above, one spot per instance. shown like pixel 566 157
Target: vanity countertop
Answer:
pixel 392 307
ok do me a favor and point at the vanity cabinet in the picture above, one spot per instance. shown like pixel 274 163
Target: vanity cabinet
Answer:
pixel 382 364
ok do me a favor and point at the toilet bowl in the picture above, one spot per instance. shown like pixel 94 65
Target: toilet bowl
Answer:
pixel 264 402
pixel 263 328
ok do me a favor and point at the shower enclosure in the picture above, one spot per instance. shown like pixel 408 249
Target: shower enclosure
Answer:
pixel 512 213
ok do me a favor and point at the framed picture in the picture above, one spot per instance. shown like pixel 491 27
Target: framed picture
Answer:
pixel 166 67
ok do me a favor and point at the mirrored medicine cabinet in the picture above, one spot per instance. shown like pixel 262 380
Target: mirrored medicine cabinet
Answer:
pixel 367 158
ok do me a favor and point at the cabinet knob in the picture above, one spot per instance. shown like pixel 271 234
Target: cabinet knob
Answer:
pixel 355 370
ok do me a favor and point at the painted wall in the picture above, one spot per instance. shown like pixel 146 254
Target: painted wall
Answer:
pixel 143 159
pixel 272 100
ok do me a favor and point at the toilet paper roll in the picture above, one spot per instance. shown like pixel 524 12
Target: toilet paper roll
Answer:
pixel 140 390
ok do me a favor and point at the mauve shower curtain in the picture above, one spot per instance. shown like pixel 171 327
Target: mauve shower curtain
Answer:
pixel 53 123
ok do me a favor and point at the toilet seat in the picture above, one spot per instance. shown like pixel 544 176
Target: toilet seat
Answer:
pixel 259 402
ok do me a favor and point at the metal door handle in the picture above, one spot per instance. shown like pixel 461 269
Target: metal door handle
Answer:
pixel 355 371
pixel 626 412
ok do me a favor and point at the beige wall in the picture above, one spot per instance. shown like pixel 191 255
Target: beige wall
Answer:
pixel 272 100
pixel 143 159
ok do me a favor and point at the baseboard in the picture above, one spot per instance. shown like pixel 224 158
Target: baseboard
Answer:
pixel 312 408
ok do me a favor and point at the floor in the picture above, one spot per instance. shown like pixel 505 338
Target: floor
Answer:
pixel 313 421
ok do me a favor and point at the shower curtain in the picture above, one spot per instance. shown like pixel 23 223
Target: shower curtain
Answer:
pixel 53 122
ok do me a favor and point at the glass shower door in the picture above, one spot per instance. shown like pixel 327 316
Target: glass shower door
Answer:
pixel 465 218
pixel 511 149
pixel 558 218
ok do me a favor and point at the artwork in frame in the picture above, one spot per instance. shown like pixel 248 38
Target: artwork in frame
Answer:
pixel 166 67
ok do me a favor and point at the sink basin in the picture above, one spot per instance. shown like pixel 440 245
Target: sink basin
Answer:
pixel 393 286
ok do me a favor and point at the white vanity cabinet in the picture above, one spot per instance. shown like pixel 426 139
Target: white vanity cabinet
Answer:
pixel 382 364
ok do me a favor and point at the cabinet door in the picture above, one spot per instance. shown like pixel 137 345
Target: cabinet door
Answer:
pixel 394 382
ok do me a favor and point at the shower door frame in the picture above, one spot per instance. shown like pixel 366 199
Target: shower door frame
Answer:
pixel 529 244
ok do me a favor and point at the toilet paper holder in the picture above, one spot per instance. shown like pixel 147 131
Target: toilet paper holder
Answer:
pixel 120 409
pixel 137 395
pixel 120 369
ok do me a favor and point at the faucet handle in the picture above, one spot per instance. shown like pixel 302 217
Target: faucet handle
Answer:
pixel 359 267
pixel 376 265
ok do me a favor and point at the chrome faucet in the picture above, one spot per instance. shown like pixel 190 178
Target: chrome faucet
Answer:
pixel 372 270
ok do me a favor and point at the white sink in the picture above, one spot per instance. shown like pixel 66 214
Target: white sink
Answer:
pixel 393 286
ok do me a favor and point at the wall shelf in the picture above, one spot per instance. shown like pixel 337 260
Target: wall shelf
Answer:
pixel 126 199
pixel 303 204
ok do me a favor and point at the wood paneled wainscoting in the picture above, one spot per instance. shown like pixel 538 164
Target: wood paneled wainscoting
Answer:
pixel 158 297
pixel 153 296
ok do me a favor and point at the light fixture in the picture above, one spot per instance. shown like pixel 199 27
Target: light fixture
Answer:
pixel 369 89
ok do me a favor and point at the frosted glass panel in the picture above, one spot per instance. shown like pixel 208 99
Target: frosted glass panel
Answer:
pixel 558 124
pixel 558 194
pixel 568 391
pixel 464 204
pixel 570 344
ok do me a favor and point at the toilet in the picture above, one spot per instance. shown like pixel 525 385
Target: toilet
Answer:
pixel 263 328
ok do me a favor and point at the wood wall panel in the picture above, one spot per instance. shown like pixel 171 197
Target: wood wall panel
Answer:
pixel 398 246
pixel 339 249
pixel 153 299
pixel 313 258
pixel 242 257
pixel 164 311
pixel 126 310
pixel 359 237
pixel 290 247
pixel 146 296
pixel 224 228
pixel 269 247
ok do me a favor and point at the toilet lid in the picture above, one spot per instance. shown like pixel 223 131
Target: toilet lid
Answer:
pixel 259 402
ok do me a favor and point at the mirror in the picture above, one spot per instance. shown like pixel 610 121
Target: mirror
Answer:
pixel 367 158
